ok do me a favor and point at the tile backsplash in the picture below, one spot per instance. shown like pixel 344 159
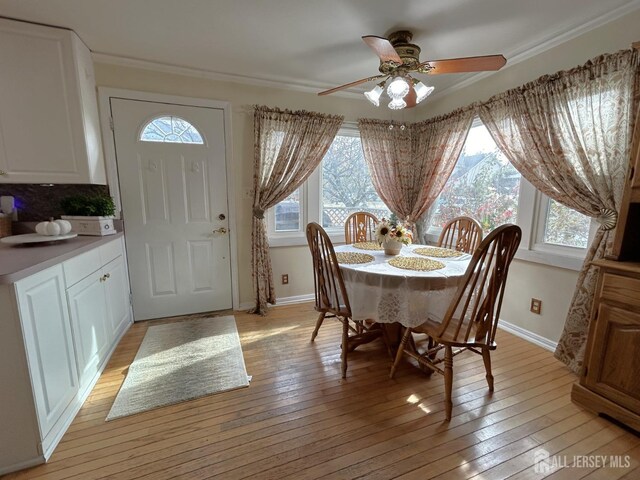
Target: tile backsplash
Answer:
pixel 36 202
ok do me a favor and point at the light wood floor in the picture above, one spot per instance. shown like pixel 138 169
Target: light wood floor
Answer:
pixel 299 420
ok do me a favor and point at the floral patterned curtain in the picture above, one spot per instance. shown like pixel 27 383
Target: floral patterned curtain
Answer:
pixel 569 134
pixel 410 164
pixel 288 147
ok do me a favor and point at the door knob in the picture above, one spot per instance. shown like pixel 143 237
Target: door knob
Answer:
pixel 2 173
pixel 220 230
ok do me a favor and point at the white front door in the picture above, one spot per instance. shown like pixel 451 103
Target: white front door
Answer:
pixel 173 187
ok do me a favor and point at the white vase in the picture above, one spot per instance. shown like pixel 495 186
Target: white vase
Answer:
pixel 392 247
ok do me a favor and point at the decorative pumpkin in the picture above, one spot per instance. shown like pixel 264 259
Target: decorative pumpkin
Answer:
pixel 53 228
pixel 65 226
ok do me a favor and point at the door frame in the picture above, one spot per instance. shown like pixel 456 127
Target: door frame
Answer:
pixel 105 94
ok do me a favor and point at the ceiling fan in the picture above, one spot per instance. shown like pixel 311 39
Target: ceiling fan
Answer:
pixel 399 58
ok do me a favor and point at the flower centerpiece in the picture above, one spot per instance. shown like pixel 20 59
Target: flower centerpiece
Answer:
pixel 392 234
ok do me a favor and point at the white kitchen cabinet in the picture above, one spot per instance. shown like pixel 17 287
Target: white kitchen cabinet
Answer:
pixel 49 346
pixel 91 324
pixel 49 125
pixel 59 327
pixel 118 295
pixel 99 307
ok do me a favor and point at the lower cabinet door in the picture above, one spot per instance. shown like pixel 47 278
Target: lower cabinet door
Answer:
pixel 90 320
pixel 612 369
pixel 48 339
pixel 117 291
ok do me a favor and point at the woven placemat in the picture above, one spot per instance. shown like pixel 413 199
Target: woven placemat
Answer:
pixel 354 257
pixel 416 263
pixel 438 252
pixel 368 246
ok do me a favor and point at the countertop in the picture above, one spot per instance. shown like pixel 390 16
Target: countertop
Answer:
pixel 20 261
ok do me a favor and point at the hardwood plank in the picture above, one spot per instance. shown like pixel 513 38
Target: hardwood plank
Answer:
pixel 298 419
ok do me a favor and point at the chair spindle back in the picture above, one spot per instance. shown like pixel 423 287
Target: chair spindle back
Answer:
pixel 360 227
pixel 461 233
pixel 472 318
pixel 331 295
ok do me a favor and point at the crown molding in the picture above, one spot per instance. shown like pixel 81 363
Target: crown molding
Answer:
pixel 552 40
pixel 281 84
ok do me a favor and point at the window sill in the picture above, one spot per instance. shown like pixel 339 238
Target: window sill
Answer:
pixel 567 262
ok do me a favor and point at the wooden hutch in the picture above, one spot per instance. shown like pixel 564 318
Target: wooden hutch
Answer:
pixel 610 380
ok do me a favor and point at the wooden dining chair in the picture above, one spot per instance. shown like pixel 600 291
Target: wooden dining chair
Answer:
pixel 331 294
pixel 461 233
pixel 472 317
pixel 360 227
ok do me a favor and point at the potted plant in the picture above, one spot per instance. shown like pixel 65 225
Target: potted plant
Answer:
pixel 89 215
pixel 392 235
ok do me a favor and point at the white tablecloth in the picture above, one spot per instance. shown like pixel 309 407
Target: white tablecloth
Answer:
pixel 386 294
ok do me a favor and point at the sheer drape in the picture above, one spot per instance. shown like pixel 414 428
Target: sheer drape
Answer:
pixel 410 164
pixel 569 135
pixel 288 146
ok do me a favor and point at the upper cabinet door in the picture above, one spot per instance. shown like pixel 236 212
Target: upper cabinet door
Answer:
pixel 48 110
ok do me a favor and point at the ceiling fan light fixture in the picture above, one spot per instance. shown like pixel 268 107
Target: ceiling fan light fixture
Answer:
pixel 374 94
pixel 398 89
pixel 422 90
pixel 397 104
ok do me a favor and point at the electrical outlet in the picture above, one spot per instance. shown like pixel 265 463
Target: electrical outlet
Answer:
pixel 536 306
pixel 285 278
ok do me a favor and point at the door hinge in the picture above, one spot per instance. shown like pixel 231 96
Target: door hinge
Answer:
pixel 130 298
pixel 111 123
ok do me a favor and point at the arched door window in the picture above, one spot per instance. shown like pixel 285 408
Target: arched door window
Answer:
pixel 170 129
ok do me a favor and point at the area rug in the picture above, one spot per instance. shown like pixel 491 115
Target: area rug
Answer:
pixel 181 361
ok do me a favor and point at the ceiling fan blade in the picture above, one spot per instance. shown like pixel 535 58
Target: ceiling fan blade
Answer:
pixel 467 64
pixel 383 48
pixel 352 84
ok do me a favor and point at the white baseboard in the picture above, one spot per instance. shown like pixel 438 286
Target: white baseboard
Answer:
pixel 309 297
pixel 22 465
pixel 527 335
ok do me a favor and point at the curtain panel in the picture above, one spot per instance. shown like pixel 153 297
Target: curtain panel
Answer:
pixel 569 134
pixel 410 164
pixel 288 146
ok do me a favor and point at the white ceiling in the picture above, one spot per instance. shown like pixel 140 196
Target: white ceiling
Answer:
pixel 313 43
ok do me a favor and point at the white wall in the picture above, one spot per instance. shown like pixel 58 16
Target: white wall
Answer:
pixel 553 285
pixel 296 261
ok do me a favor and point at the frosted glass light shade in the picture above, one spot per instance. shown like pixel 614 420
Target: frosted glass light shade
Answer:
pixel 397 104
pixel 398 88
pixel 422 91
pixel 373 95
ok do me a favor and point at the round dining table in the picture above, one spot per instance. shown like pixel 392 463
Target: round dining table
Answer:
pixel 386 294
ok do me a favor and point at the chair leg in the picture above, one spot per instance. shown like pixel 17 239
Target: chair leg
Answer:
pixel 400 351
pixel 486 356
pixel 345 345
pixel 318 324
pixel 448 380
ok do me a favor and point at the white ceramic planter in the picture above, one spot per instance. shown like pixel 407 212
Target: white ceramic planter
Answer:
pixel 392 247
pixel 97 226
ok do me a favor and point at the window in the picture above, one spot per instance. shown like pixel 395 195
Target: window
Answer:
pixel 485 186
pixel 564 226
pixel 346 184
pixel 287 214
pixel 170 130
pixel 340 186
